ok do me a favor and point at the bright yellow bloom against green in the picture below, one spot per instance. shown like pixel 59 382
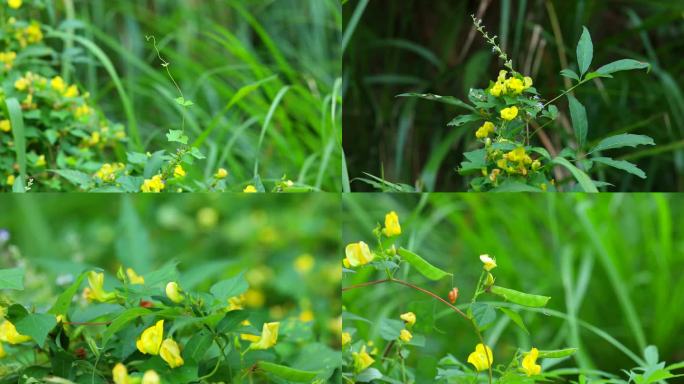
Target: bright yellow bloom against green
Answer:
pixel 529 365
pixel 9 334
pixel 15 4
pixel 485 130
pixel 40 162
pixel 108 171
pixel 409 318
pixel 58 84
pixel 250 189
pixel 515 86
pixel 10 180
pixel 221 173
pixel 173 292
pixel 488 262
pixel 482 358
pixel 358 254
pixel 134 278
pixel 72 91
pixel 3 354
pixel 150 340
pixel 346 338
pixel 527 82
pixel 509 113
pixel 405 336
pixel 95 291
pixel 120 374
pixel 497 90
pixel 153 185
pixel 269 336
pixel 179 172
pixel 170 352
pixel 392 227
pixel 8 59
pixel 150 377
pixel 5 125
pixel 362 360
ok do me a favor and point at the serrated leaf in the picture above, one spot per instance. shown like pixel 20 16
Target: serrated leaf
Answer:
pixel 36 325
pixel 177 136
pixel 287 373
pixel 520 298
pixel 12 279
pixel 585 51
pixel 622 65
pixel 570 74
pixel 421 265
pixel 515 317
pixel 623 140
pixel 622 165
pixel 582 178
pixel 578 114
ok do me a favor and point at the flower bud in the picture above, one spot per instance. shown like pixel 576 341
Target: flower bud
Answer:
pixel 453 295
pixel 490 280
pixel 173 292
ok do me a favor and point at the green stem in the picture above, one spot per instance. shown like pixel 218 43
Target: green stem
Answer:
pixel 565 93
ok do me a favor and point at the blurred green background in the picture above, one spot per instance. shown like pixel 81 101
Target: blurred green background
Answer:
pixel 287 246
pixel 429 46
pixel 613 261
pixel 232 58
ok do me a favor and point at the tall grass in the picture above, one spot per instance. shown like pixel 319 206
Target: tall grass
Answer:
pixel 396 47
pixel 611 264
pixel 232 59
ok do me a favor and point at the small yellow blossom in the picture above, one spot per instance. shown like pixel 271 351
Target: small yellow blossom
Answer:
pixel 40 162
pixel 21 84
pixel 482 358
pixel 5 125
pixel 515 86
pixel 488 262
pixel 120 374
pixel 405 336
pixel 306 316
pixel 502 76
pixel 409 318
pixel 95 290
pixel 268 338
pixel 527 82
pixel 9 334
pixel 179 172
pixel 10 180
pixel 153 185
pixel 485 130
pixel 236 303
pixel 81 111
pixel 346 338
pixel 72 91
pixel 254 298
pixel 304 263
pixel 108 172
pixel 8 59
pixel 150 377
pixel 170 352
pixel 150 340
pixel 392 227
pixel 221 173
pixel 173 292
pixel 362 360
pixel 58 84
pixel 134 278
pixel 529 365
pixel 358 254
pixel 14 4
pixel 497 90
pixel 509 113
pixel 250 189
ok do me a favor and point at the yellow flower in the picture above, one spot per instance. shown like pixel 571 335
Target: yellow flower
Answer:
pixel 482 358
pixel 497 90
pixel 120 374
pixel 268 338
pixel 515 86
pixel 249 189
pixel 173 292
pixel 83 110
pixel 221 173
pixel 346 338
pixel 15 4
pixel 485 130
pixel 9 334
pixel 153 185
pixel 306 316
pixel 5 125
pixel 527 82
pixel 150 340
pixel 96 290
pixel 358 254
pixel 170 352
pixel 405 336
pixel 134 278
pixel 488 262
pixel 304 263
pixel 509 113
pixel 362 360
pixel 8 59
pixel 108 171
pixel 40 162
pixel 150 377
pixel 409 318
pixel 58 84
pixel 3 354
pixel 502 76
pixel 179 172
pixel 392 227
pixel 528 363
pixel 21 84
pixel 236 303
pixel 10 180
pixel 72 91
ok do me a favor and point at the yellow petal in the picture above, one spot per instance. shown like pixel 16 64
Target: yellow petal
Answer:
pixel 150 340
pixel 170 352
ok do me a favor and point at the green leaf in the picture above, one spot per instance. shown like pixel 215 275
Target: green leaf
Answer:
pixel 515 186
pixel 557 353
pixel 390 329
pixel 61 306
pixel 12 279
pixel 78 178
pixel 176 136
pixel 515 317
pixel 132 241
pixel 122 320
pixel 369 375
pixel 197 346
pixel 231 321
pixel 570 73
pixel 287 373
pixel 183 102
pixel 36 325
pixel 442 99
pixel 225 289
pixel 623 65
pixel 578 114
pixel 582 178
pixel 483 314
pixel 463 119
pixel 520 298
pixel 421 265
pixel 585 51
pixel 622 165
pixel 593 75
pixel 623 140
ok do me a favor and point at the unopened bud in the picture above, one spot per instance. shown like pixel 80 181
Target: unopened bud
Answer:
pixel 120 274
pixel 453 295
pixel 490 280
